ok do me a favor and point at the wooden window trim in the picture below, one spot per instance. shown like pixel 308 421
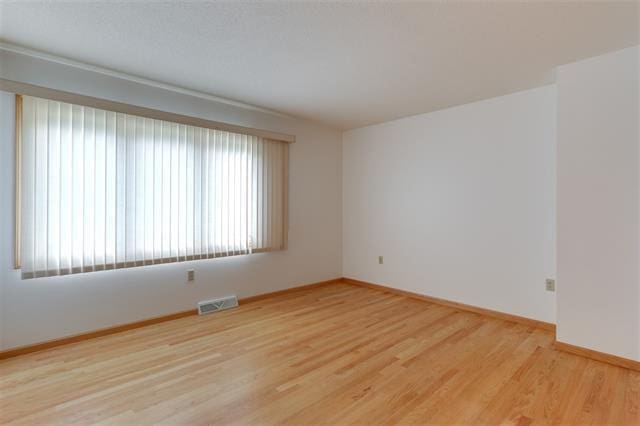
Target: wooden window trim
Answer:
pixel 18 185
pixel 30 90
pixel 88 101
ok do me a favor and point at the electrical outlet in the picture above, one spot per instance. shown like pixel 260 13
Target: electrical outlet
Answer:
pixel 380 260
pixel 550 284
pixel 191 275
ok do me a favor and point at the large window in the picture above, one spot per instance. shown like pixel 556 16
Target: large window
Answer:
pixel 101 190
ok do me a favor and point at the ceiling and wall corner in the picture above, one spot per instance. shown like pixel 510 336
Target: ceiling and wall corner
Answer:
pixel 344 64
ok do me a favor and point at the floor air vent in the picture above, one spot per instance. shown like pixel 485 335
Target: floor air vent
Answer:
pixel 209 306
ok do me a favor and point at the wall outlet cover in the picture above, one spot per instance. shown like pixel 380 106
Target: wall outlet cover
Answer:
pixel 550 284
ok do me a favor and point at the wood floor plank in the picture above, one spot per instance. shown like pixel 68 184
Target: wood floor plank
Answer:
pixel 337 354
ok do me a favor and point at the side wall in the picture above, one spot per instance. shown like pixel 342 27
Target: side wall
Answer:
pixel 460 202
pixel 598 195
pixel 47 308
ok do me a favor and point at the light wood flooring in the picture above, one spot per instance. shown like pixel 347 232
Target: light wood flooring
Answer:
pixel 338 354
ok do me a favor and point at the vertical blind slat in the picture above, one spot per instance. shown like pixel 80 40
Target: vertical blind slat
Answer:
pixel 104 190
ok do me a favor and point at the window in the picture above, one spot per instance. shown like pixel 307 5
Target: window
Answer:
pixel 101 190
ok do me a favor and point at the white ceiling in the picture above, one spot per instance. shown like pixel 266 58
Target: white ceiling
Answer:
pixel 344 64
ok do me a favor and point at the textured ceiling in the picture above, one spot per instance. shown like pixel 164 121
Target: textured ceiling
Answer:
pixel 344 64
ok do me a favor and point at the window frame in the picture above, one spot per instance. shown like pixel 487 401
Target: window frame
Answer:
pixel 22 89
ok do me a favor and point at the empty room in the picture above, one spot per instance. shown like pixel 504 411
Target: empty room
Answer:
pixel 320 213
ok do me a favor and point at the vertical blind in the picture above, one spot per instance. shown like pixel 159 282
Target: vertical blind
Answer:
pixel 103 190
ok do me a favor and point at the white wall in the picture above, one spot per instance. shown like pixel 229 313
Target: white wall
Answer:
pixel 46 308
pixel 460 202
pixel 598 212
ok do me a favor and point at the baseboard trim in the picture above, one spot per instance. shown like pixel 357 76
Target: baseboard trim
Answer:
pixel 37 347
pixel 289 290
pixel 561 346
pixel 455 305
pixel 597 356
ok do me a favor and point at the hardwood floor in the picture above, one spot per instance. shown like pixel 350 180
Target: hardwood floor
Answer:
pixel 337 354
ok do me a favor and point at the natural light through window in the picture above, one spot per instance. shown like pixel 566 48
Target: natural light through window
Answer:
pixel 103 190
